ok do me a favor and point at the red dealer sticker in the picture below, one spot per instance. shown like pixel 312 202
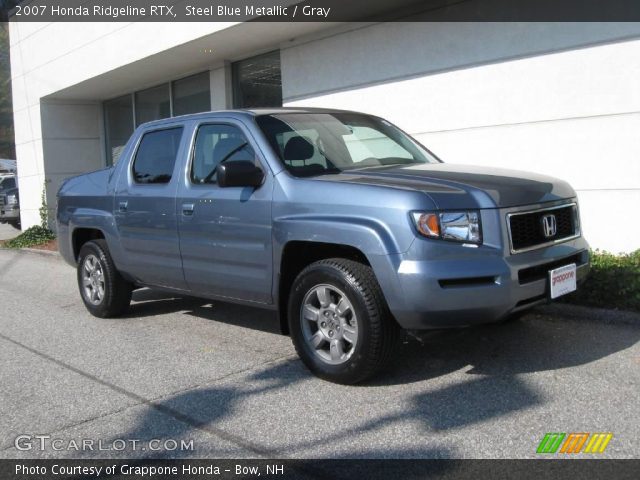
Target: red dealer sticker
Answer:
pixel 562 280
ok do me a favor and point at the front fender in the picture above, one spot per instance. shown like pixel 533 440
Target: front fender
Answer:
pixel 368 235
pixel 376 242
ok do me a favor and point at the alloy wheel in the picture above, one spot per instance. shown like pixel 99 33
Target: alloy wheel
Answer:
pixel 329 324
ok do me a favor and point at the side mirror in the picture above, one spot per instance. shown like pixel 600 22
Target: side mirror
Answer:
pixel 241 173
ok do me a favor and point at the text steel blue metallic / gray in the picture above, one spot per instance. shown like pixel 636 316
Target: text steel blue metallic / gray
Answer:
pixel 341 222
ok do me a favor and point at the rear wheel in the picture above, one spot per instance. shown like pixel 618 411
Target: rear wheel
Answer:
pixel 103 290
pixel 339 322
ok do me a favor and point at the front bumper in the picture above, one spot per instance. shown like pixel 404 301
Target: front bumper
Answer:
pixel 439 284
pixel 488 292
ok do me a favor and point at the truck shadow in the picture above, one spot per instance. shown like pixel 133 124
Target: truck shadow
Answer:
pixel 265 412
pixel 239 315
pixel 147 303
pixel 537 342
pixel 210 416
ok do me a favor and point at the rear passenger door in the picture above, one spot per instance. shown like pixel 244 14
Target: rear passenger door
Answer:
pixel 145 209
pixel 225 233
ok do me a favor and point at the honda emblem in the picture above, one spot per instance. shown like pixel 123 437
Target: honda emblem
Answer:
pixel 549 227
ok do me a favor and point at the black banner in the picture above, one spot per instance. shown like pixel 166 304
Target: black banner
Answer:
pixel 319 469
pixel 322 10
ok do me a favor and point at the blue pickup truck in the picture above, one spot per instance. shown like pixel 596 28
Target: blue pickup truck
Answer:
pixel 342 223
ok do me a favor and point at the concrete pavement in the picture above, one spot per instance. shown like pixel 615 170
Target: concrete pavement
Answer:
pixel 221 377
pixel 7 231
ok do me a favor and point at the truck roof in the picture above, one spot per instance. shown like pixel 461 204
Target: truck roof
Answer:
pixel 252 112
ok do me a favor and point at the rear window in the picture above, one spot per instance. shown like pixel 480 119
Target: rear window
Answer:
pixel 156 156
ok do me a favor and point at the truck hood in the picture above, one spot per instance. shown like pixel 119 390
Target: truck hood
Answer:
pixel 452 186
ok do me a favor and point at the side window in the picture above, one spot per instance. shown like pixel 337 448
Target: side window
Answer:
pixel 156 156
pixel 215 144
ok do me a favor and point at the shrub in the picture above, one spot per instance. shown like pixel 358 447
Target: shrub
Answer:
pixel 614 282
pixel 44 208
pixel 36 235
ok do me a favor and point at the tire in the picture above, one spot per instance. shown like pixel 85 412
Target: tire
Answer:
pixel 15 224
pixel 361 328
pixel 105 294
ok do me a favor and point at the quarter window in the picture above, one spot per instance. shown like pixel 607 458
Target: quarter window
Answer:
pixel 216 144
pixel 156 156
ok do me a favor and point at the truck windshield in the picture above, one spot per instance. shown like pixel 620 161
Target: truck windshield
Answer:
pixel 311 144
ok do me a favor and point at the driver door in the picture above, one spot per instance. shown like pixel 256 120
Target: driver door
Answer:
pixel 225 233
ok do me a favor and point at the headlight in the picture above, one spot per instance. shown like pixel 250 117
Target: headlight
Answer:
pixel 12 199
pixel 454 226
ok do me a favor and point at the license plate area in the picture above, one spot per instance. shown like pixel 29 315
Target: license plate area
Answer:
pixel 562 280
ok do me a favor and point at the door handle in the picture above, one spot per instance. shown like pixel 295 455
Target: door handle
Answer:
pixel 187 209
pixel 122 206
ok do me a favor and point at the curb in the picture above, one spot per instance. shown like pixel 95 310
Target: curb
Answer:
pixel 590 314
pixel 37 251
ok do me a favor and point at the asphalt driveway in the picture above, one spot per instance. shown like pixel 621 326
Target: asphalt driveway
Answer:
pixel 221 377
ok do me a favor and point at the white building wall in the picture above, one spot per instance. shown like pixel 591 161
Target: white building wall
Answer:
pixel 47 58
pixel 556 98
pixel 72 138
pixel 559 99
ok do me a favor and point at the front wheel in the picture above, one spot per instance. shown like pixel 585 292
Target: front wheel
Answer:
pixel 339 322
pixel 103 290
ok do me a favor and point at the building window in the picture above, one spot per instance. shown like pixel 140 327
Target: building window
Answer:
pixel 257 81
pixel 118 120
pixel 187 95
pixel 152 104
pixel 191 94
pixel 156 156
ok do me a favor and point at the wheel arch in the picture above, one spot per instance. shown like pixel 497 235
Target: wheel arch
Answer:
pixel 314 236
pixel 82 235
pixel 83 225
pixel 295 256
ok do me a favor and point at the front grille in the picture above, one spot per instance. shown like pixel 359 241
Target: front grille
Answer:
pixel 527 230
